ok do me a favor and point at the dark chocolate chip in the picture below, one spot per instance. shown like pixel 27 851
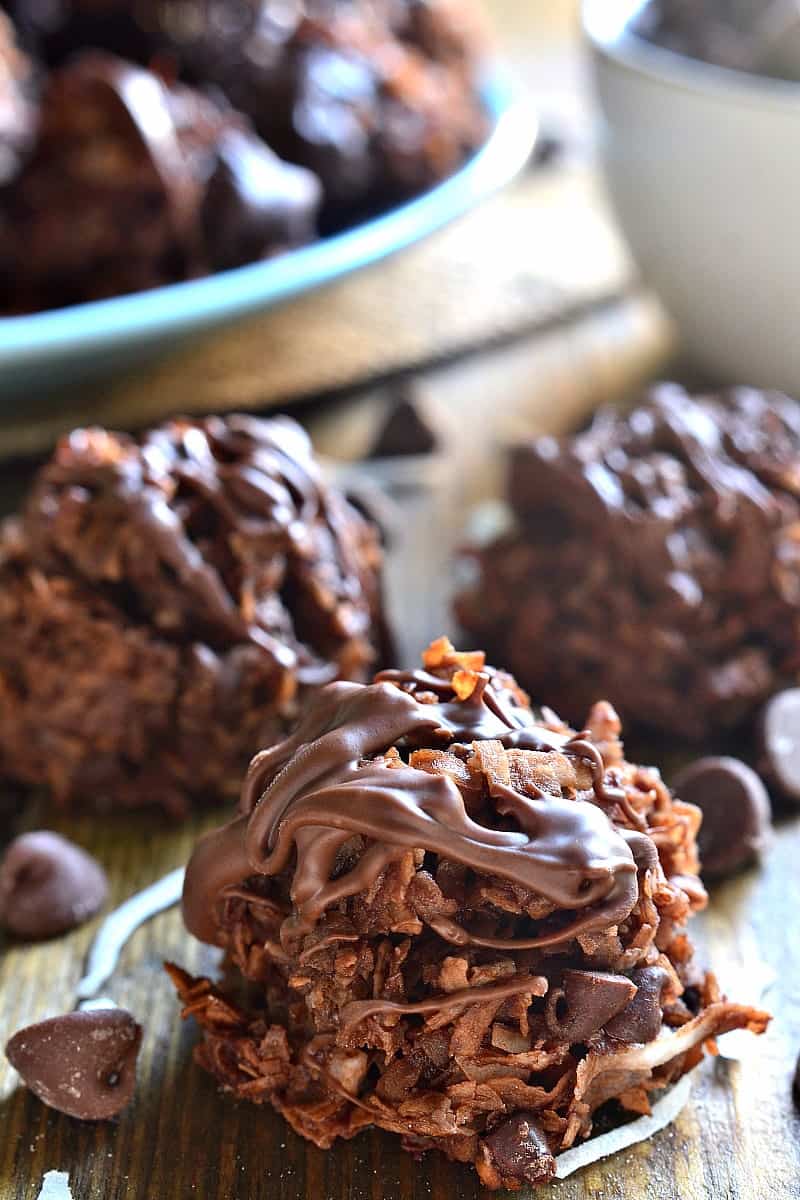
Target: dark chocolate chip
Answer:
pixel 780 732
pixel 82 1063
pixel 736 812
pixel 48 885
pixel 584 1003
pixel 255 202
pixel 520 1151
pixel 641 1020
pixel 404 432
pixel 796 1084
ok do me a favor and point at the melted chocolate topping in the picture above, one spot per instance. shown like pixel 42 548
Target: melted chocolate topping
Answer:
pixel 339 776
pixel 143 102
pixel 529 985
pixel 667 532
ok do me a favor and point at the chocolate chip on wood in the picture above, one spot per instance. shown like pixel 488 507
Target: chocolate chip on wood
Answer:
pixel 48 885
pixel 737 820
pixel 404 432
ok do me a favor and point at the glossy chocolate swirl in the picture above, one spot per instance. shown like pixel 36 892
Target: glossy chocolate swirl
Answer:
pixel 344 773
pixel 209 518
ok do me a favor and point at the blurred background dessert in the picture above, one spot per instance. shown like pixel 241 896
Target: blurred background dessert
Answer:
pixel 131 183
pixel 379 101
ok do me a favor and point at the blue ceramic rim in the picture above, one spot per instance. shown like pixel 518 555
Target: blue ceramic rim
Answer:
pixel 183 308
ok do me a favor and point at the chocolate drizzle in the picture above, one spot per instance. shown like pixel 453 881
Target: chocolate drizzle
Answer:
pixel 341 775
pixel 529 985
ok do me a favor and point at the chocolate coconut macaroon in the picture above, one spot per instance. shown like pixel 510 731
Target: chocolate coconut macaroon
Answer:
pixel 133 183
pixel 458 919
pixel 167 602
pixel 379 98
pixel 653 559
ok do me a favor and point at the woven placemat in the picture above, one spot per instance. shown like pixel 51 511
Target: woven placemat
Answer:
pixel 539 255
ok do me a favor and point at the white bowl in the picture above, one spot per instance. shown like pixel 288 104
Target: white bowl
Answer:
pixel 703 166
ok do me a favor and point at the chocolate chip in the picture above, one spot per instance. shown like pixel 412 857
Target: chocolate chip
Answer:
pixel 796 1084
pixel 641 1020
pixel 254 201
pixel 519 1150
pixel 48 885
pixel 82 1063
pixel 584 1003
pixel 736 812
pixel 404 432
pixel 780 733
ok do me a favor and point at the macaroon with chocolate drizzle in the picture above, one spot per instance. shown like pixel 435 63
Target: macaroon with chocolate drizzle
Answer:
pixel 168 602
pixel 464 919
pixel 133 182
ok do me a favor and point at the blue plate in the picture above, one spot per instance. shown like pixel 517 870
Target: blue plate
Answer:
pixel 52 350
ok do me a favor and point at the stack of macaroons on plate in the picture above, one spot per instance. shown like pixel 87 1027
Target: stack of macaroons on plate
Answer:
pixel 221 133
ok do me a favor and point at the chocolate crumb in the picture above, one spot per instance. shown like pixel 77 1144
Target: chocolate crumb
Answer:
pixel 736 812
pixel 405 432
pixel 796 1084
pixel 48 885
pixel 82 1063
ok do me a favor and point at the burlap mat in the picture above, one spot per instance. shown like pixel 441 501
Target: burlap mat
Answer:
pixel 542 254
